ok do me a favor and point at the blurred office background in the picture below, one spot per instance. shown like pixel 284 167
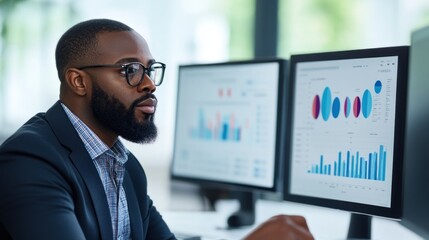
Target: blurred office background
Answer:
pixel 182 32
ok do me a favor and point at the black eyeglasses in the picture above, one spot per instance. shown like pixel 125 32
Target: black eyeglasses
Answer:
pixel 134 71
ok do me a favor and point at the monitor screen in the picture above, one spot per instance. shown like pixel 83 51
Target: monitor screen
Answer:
pixel 228 123
pixel 416 154
pixel 346 134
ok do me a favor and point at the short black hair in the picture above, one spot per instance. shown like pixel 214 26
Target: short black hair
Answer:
pixel 80 42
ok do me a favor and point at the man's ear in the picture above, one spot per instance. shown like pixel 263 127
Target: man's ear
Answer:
pixel 77 81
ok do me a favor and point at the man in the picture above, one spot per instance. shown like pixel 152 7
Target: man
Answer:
pixel 66 175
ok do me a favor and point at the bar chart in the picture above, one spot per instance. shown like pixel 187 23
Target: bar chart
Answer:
pixel 221 127
pixel 371 166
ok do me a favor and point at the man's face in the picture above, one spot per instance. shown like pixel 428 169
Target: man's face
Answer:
pixel 118 107
pixel 112 113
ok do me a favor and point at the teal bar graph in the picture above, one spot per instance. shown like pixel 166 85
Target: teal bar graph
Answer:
pixel 222 128
pixel 354 165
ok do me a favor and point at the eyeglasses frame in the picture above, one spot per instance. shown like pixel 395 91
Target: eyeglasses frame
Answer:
pixel 124 66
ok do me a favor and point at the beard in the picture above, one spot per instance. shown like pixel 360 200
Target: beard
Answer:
pixel 113 114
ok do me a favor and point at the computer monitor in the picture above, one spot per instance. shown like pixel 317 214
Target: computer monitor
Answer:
pixel 346 132
pixel 416 154
pixel 229 126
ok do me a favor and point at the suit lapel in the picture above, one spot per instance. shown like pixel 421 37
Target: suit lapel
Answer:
pixel 68 136
pixel 133 208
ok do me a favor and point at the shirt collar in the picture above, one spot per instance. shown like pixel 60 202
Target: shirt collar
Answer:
pixel 93 143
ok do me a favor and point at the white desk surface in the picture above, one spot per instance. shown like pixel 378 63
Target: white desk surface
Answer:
pixel 324 223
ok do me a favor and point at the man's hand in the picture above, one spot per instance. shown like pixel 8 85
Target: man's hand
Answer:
pixel 282 227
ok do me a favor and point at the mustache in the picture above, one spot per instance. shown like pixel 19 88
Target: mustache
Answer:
pixel 142 98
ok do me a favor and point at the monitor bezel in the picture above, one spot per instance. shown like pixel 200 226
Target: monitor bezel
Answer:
pixel 395 210
pixel 280 131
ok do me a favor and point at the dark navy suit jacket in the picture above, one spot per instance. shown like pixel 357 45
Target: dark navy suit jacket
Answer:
pixel 50 188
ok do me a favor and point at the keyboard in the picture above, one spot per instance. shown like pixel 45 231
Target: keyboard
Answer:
pixel 186 236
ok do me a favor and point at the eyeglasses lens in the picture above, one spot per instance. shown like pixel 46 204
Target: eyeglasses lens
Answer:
pixel 134 73
pixel 156 73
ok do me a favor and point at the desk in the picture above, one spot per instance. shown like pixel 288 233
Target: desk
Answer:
pixel 324 223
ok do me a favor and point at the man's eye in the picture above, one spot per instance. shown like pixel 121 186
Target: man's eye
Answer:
pixel 133 69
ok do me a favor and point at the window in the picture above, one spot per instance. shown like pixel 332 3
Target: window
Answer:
pixel 326 25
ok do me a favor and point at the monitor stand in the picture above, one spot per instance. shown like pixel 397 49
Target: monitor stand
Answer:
pixel 245 215
pixel 360 226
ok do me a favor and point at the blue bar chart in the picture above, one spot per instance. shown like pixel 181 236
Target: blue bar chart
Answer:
pixel 371 166
pixel 221 127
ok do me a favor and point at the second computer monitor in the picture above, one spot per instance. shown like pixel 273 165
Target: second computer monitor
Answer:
pixel 346 130
pixel 229 124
